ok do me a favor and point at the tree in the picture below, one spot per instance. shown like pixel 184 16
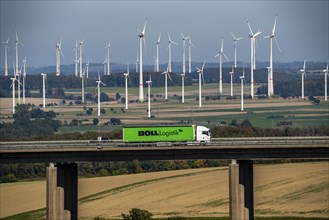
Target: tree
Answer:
pixel 137 214
pixel 246 123
pixel 74 122
pixel 89 111
pixel 103 111
pixel 117 96
pixel 95 121
pixel 115 121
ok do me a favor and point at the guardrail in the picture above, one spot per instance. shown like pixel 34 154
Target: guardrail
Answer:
pixel 246 141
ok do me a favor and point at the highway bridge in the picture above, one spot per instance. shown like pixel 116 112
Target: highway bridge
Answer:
pixel 62 179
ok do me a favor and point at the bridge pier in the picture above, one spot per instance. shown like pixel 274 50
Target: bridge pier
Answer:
pixel 62 191
pixel 241 190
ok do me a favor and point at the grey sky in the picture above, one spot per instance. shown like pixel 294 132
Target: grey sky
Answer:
pixel 302 29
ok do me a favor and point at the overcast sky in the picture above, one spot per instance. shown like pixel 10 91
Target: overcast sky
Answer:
pixel 302 29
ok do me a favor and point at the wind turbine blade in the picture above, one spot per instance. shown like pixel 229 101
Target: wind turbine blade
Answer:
pixel 233 36
pixel 304 65
pixel 204 62
pixel 222 46
pixel 169 37
pixel 273 31
pixel 169 77
pixel 277 44
pixel 174 42
pixel 252 33
pixel 143 32
pixel 217 55
pixel 159 37
pixel 226 57
pixel 202 77
pixel 239 38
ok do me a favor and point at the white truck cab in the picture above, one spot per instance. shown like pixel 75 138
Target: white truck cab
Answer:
pixel 203 134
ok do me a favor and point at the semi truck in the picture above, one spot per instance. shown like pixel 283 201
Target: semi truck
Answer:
pixel 167 134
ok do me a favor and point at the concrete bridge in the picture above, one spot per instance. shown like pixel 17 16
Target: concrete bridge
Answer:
pixel 62 173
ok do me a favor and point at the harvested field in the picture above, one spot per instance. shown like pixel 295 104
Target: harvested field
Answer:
pixel 297 189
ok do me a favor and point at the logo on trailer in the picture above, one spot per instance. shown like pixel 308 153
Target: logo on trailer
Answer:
pixel 159 133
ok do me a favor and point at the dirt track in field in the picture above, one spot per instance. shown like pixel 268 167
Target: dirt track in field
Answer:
pixel 280 190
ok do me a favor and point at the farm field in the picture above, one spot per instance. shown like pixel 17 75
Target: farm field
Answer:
pixel 294 189
pixel 261 113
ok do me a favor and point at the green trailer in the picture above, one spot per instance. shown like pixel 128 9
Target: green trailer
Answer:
pixel 151 134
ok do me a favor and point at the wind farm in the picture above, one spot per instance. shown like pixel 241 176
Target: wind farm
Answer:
pixel 115 75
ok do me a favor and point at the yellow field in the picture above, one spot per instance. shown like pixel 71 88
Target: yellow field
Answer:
pixel 280 190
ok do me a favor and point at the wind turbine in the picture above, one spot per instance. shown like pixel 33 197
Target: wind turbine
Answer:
pixel 242 81
pixel 190 55
pixel 141 36
pixel 252 37
pixel 16 67
pixel 325 83
pixel 231 73
pixel 220 54
pixel 183 91
pixel 200 71
pixel 98 94
pixel 13 86
pixel 6 56
pixel 80 59
pixel 44 78
pixel 166 73
pixel 24 79
pixel 169 51
pixel 76 58
pixel 184 39
pixel 108 47
pixel 157 55
pixel 149 97
pixel 83 86
pixel 303 72
pixel 268 81
pixel 87 69
pixel 58 56
pixel 126 75
pixel 271 37
pixel 235 46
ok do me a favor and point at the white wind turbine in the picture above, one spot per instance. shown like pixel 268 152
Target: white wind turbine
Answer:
pixel 83 86
pixel 325 83
pixel 80 59
pixel 126 75
pixel 13 87
pixel 99 94
pixel 149 97
pixel 87 69
pixel 252 37
pixel 141 36
pixel 200 72
pixel 220 54
pixel 157 69
pixel 190 55
pixel 6 56
pixel 44 79
pixel 242 81
pixel 235 46
pixel 76 61
pixel 169 51
pixel 16 68
pixel 271 37
pixel 231 73
pixel 58 56
pixel 268 81
pixel 184 41
pixel 24 79
pixel 108 47
pixel 303 72
pixel 166 74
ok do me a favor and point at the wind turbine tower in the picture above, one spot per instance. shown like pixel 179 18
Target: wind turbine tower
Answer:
pixel 76 58
pixel 303 72
pixel 126 75
pixel 24 79
pixel 149 97
pixel 200 72
pixel 80 59
pixel 13 87
pixel 83 86
pixel 268 81
pixel 169 52
pixel 190 55
pixel 141 36
pixel 99 94
pixel 87 69
pixel 108 47
pixel 325 83
pixel 136 63
pixel 16 68
pixel 231 73
pixel 58 56
pixel 6 56
pixel 235 46
pixel 252 37
pixel 157 69
pixel 220 54
pixel 166 73
pixel 271 37
pixel 184 39
pixel 242 81
pixel 44 78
